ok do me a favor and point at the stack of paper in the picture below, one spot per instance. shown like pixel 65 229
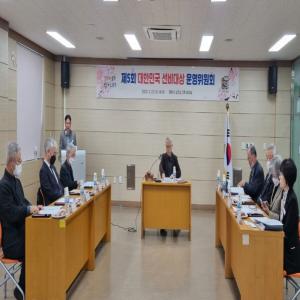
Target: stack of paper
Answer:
pixel 50 210
pixel 237 190
pixel 270 224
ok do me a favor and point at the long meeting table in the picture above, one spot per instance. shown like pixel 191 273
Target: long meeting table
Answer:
pixel 254 258
pixel 56 250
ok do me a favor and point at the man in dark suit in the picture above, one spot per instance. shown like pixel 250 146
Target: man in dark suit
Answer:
pixel 168 162
pixel 14 208
pixel 66 171
pixel 51 186
pixel 267 190
pixel 255 185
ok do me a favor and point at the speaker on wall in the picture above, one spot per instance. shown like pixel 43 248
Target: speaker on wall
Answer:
pixel 65 73
pixel 272 79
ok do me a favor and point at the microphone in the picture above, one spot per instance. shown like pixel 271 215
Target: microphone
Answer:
pixel 149 175
pixel 158 158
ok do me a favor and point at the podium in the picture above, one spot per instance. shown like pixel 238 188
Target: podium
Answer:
pixel 79 164
pixel 166 206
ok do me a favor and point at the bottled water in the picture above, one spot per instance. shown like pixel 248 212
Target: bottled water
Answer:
pixel 82 196
pixel 174 173
pixel 239 210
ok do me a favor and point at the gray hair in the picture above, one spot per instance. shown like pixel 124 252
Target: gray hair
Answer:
pixel 168 141
pixel 275 164
pixel 12 150
pixel 70 147
pixel 49 143
pixel 271 147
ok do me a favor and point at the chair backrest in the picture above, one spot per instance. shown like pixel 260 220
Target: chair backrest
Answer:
pixel 40 197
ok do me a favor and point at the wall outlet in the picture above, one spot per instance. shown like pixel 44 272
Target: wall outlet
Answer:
pixel 120 179
pixel 115 180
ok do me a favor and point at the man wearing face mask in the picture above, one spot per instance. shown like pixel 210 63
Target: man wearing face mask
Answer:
pixel 51 186
pixel 272 205
pixel 268 183
pixel 14 208
pixel 255 184
pixel 66 171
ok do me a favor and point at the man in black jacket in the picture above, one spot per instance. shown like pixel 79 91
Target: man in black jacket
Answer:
pixel 66 171
pixel 169 161
pixel 14 208
pixel 51 186
pixel 255 185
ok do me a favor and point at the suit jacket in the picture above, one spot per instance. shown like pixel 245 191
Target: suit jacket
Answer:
pixel 52 190
pixel 66 176
pixel 267 190
pixel 291 236
pixel 275 202
pixel 254 187
pixel 167 163
pixel 14 208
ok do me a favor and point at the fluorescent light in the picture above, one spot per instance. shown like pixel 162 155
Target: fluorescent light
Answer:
pixel 133 42
pixel 60 39
pixel 110 0
pixel 282 42
pixel 206 42
pixel 218 0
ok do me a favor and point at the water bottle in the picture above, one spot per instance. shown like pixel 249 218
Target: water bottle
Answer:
pixel 239 210
pixel 82 197
pixel 67 200
pixel 218 178
pixel 174 173
pixel 95 181
pixel 103 181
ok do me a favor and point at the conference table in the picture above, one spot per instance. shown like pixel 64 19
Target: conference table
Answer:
pixel 252 256
pixel 58 249
pixel 166 206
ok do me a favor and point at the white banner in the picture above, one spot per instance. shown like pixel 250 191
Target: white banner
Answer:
pixel 159 82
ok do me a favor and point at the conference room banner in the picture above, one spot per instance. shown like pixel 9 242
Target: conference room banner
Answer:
pixel 160 82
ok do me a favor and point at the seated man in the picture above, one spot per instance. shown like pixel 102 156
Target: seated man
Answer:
pixel 254 187
pixel 51 186
pixel 168 161
pixel 14 208
pixel 268 183
pixel 66 171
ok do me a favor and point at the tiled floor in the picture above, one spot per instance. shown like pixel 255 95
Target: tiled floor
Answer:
pixel 156 268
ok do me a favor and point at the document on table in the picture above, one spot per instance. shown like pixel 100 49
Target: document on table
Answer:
pixel 88 184
pixel 237 190
pixel 63 201
pixel 267 221
pixel 50 210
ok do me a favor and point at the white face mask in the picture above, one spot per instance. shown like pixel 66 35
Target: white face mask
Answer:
pixel 275 181
pixel 18 170
pixel 71 160
pixel 268 164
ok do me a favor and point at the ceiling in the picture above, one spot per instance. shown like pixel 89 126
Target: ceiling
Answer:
pixel 254 26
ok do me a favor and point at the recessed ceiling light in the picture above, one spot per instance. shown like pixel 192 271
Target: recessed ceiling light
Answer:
pixel 133 42
pixel 206 42
pixel 282 42
pixel 60 39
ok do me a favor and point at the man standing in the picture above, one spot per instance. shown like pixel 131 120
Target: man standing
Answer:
pixel 14 208
pixel 254 187
pixel 67 136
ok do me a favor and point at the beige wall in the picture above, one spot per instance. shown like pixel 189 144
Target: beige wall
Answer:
pixel 8 104
pixel 120 132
